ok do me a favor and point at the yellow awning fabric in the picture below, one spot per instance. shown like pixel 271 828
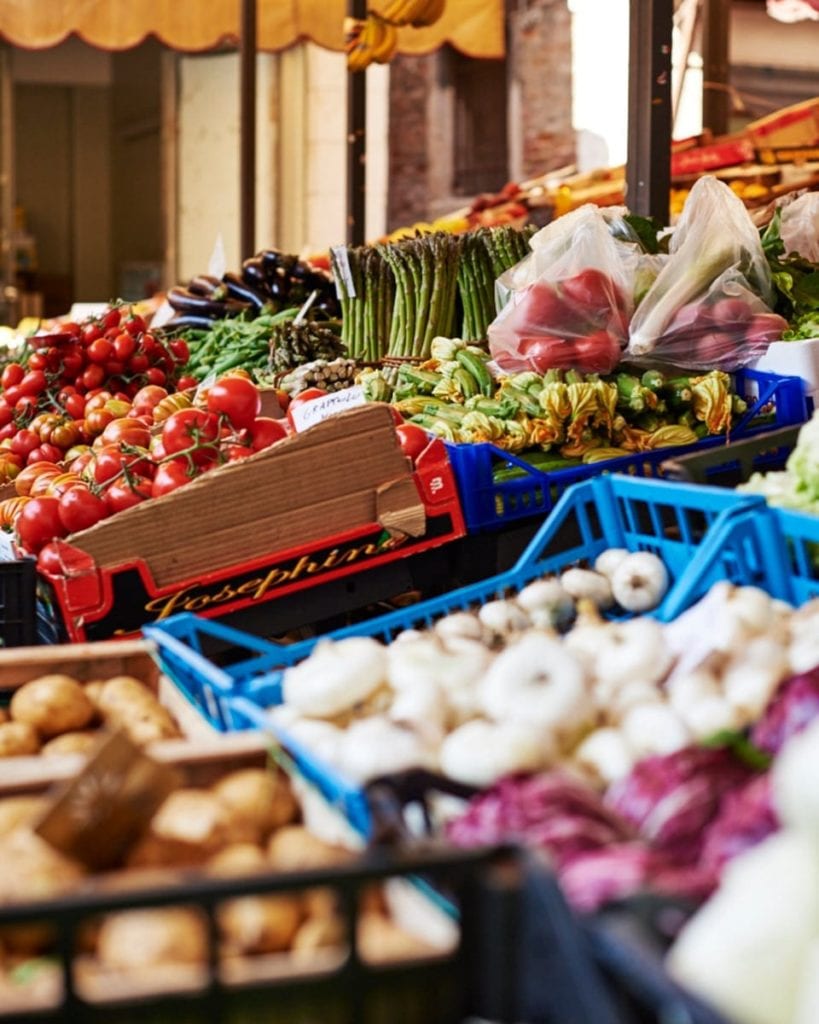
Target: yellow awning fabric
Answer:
pixel 475 27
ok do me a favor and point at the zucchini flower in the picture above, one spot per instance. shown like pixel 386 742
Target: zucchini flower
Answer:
pixel 515 436
pixel 448 389
pixel 712 401
pixel 672 435
pixel 526 380
pixel 583 401
pixel 579 446
pixel 477 427
pixel 444 349
pixel 633 439
pixel 543 433
pixel 554 400
pixel 606 406
pixel 603 454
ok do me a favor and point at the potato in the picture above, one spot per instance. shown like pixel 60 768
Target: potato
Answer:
pixel 237 859
pixel 93 689
pixel 19 810
pixel 381 941
pixel 4 715
pixel 126 702
pixel 82 742
pixel 32 868
pixel 189 827
pixel 18 738
pixel 293 848
pixel 259 800
pixel 52 704
pixel 318 933
pixel 145 938
pixel 260 924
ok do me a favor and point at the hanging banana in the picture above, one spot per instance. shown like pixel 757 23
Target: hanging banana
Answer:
pixel 375 38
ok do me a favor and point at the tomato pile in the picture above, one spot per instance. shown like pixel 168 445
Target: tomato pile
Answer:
pixel 72 383
pixel 158 443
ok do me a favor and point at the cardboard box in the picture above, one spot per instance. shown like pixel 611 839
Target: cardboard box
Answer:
pixel 797 125
pixel 325 503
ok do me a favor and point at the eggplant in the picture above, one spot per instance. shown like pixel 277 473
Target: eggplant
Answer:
pixel 186 321
pixel 185 301
pixel 239 289
pixel 253 275
pixel 270 259
pixel 208 285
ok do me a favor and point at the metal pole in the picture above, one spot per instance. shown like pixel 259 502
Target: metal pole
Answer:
pixel 648 170
pixel 356 143
pixel 247 130
pixel 8 270
pixel 715 95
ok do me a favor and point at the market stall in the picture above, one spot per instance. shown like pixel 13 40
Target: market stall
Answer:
pixel 288 745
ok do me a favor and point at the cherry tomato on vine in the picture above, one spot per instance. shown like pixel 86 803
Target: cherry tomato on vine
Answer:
pixel 93 375
pixel 12 374
pixel 110 319
pixel 33 383
pixel 24 441
pixel 179 350
pixel 191 428
pixel 126 493
pixel 38 361
pixel 170 477
pixel 135 325
pixel 155 376
pixel 186 383
pixel 100 351
pixel 124 346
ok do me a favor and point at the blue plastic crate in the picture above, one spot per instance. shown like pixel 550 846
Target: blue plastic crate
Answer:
pixel 793 538
pixel 703 534
pixel 488 505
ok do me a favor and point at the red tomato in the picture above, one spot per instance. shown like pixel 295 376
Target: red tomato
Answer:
pixel 412 438
pixel 90 333
pixel 97 420
pixel 542 353
pixel 138 363
pixel 597 353
pixel 100 351
pixel 24 441
pixel 74 405
pixel 97 400
pixel 155 376
pixel 234 452
pixel 179 350
pixel 301 399
pixel 110 319
pixel 147 398
pixel 128 431
pixel 71 328
pixel 109 460
pixel 236 398
pixel 170 476
pixel 38 361
pixel 49 560
pixel 114 367
pixel 186 383
pixel 190 428
pixel 33 383
pixel 66 435
pixel 266 431
pixel 39 523
pixel 79 508
pixel 6 413
pixel 93 375
pixel 124 346
pixel 135 325
pixel 540 307
pixel 12 374
pixel 124 493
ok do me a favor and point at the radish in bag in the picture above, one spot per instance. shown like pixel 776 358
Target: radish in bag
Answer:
pixel 709 307
pixel 568 304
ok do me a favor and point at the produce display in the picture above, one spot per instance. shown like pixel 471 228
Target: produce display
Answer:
pixel 797 486
pixel 268 282
pixel 569 415
pixel 397 297
pixel 245 822
pixel 57 714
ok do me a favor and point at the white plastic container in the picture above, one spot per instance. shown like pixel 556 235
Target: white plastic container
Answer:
pixel 795 359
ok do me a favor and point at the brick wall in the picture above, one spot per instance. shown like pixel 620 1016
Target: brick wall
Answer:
pixel 540 111
pixel 539 34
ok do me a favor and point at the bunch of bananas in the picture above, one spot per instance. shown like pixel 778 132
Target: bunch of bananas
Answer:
pixel 369 40
pixel 417 13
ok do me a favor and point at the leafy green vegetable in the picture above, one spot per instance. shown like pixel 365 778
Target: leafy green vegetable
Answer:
pixel 806 326
pixel 795 279
pixel 741 747
pixel 647 231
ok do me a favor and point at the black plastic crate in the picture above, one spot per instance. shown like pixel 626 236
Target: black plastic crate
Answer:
pixel 18 612
pixel 734 463
pixel 521 955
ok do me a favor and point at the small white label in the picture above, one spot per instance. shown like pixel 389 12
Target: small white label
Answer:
pixel 7 552
pixel 83 310
pixel 318 409
pixel 343 263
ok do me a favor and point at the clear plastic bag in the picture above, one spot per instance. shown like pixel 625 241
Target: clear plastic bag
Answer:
pixel 567 305
pixel 799 228
pixel 708 307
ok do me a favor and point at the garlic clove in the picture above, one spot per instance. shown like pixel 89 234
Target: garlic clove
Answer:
pixel 654 729
pixel 605 755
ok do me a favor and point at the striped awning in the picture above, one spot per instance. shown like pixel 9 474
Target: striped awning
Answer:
pixel 474 28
